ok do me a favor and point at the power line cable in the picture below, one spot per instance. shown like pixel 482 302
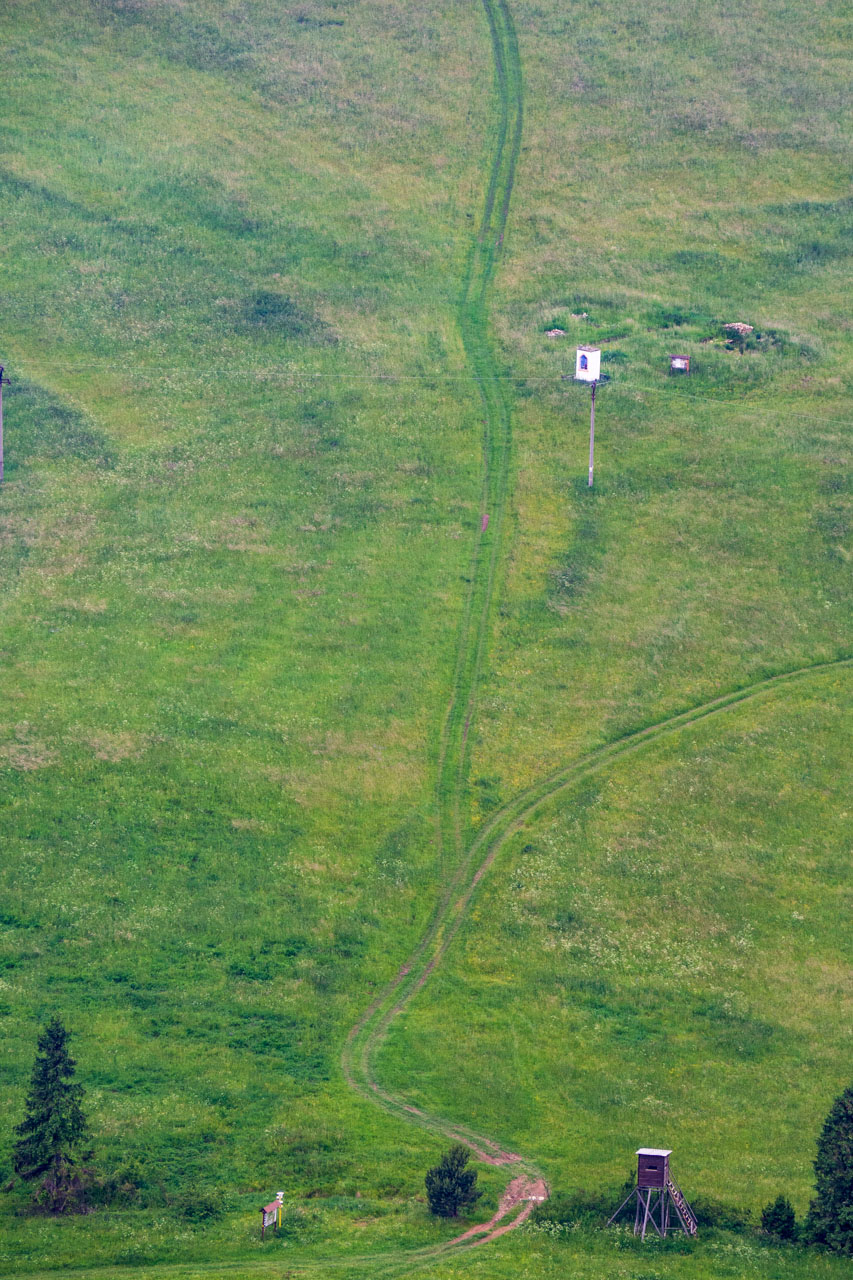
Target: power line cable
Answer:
pixel 391 379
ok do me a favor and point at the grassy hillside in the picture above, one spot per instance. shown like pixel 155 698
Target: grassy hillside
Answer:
pixel 661 955
pixel 238 541
pixel 690 168
pixel 267 338
pixel 641 960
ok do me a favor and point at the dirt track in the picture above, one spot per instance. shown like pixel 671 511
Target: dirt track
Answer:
pixel 475 624
pixel 522 1191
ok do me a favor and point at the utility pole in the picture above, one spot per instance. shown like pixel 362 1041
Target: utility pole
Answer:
pixel 591 434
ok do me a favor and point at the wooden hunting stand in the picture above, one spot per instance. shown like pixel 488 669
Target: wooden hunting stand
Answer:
pixel 655 1197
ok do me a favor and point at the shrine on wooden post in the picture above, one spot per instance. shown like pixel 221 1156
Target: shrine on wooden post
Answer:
pixel 588 369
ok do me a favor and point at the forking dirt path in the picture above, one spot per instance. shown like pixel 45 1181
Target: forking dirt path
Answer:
pixel 464 868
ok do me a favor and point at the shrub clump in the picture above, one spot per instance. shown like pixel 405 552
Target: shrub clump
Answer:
pixel 278 314
pixel 200 1205
pixel 581 1207
pixel 715 1213
pixel 779 1220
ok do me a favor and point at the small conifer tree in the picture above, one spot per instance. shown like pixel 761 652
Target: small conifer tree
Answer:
pixel 450 1185
pixel 830 1217
pixel 779 1219
pixel 54 1126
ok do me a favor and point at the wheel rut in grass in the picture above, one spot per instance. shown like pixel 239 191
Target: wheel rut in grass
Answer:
pixel 474 328
pixel 511 818
pixel 482 573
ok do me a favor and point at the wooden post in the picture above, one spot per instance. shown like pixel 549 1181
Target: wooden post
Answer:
pixel 648 1208
pixel 1 424
pixel 591 435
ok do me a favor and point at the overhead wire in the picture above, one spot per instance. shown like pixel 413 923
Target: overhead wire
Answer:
pixel 390 379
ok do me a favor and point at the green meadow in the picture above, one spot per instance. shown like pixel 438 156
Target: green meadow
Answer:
pixel 276 288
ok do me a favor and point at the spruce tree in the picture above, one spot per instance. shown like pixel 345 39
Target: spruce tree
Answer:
pixel 830 1217
pixel 449 1185
pixel 54 1126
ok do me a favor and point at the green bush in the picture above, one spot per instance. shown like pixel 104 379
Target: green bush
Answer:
pixel 778 1219
pixel 715 1213
pixel 199 1206
pixel 591 1208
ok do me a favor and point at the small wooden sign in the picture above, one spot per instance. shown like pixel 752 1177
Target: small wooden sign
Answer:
pixel 679 364
pixel 270 1216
